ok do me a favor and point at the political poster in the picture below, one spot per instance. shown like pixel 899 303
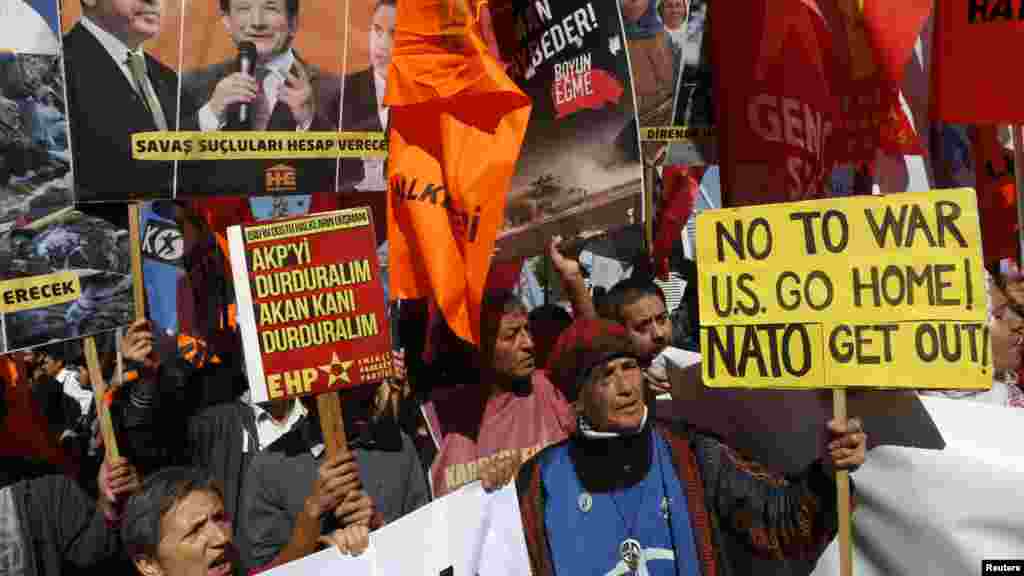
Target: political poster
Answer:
pixel 579 170
pixel 231 98
pixel 311 307
pixel 867 291
pixel 63 274
pixel 120 82
pixel 682 125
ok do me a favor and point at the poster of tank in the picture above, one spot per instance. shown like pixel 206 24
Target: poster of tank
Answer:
pixel 579 170
pixel 64 274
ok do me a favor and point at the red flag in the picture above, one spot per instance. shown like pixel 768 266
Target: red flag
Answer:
pixel 680 186
pixel 997 196
pixel 457 123
pixel 872 46
pixel 779 113
pixel 974 52
pixel 593 89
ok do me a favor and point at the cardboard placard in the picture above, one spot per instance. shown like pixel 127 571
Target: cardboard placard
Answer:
pixel 879 292
pixel 311 306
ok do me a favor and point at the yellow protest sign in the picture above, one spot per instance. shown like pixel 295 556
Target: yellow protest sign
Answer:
pixel 38 291
pixel 168 146
pixel 869 291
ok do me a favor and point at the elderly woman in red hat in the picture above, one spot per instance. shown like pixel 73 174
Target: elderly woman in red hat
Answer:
pixel 623 495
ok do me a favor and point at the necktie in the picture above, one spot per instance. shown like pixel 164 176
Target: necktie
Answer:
pixel 261 105
pixel 137 65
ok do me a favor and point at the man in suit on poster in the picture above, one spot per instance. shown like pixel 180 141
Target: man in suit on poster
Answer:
pixel 363 109
pixel 115 89
pixel 280 92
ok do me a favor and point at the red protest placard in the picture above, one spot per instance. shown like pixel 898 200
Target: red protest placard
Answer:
pixel 311 307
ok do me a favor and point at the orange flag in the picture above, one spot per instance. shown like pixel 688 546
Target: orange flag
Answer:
pixel 457 124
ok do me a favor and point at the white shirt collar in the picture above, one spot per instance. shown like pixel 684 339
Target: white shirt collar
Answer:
pixel 117 49
pixel 298 410
pixel 280 65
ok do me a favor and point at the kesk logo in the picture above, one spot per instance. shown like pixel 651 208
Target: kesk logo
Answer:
pixel 280 178
pixel 163 242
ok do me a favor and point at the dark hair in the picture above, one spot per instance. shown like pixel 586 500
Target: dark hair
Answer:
pixel 625 293
pixel 162 491
pixel 292 6
pixel 496 304
pixel 546 323
pixel 382 3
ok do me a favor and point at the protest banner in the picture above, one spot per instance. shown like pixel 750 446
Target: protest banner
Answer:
pixel 685 122
pixel 879 292
pixel 465 533
pixel 579 171
pixel 311 307
pixel 227 112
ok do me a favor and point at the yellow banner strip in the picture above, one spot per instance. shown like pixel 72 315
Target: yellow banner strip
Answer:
pixel 675 133
pixel 327 222
pixel 166 146
pixel 38 291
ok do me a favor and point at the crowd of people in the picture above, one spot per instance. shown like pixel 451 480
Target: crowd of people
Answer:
pixel 557 399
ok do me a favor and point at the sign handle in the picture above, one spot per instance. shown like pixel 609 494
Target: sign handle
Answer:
pixel 1018 171
pixel 135 233
pixel 99 387
pixel 649 179
pixel 331 424
pixel 843 494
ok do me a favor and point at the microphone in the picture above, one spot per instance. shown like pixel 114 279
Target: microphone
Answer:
pixel 246 63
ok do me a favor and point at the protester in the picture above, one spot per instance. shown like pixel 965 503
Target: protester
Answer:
pixel 639 305
pixel 50 526
pixel 545 324
pixel 177 525
pixel 44 365
pixel 380 461
pixel 485 430
pixel 625 496
pixel 1006 334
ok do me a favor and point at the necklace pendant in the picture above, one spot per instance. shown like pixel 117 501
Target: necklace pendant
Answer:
pixel 666 511
pixel 630 551
pixel 585 502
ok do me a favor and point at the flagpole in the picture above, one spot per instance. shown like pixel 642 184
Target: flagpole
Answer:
pixel 1018 172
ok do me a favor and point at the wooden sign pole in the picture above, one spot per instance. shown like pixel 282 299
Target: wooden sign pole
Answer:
pixel 99 387
pixel 1018 171
pixel 649 179
pixel 843 494
pixel 331 423
pixel 135 233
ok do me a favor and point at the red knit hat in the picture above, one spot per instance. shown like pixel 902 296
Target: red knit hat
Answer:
pixel 585 344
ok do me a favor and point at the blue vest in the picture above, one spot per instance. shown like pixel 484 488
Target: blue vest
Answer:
pixel 588 542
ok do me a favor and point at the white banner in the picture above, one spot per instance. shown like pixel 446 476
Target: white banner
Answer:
pixel 941 512
pixel 466 533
